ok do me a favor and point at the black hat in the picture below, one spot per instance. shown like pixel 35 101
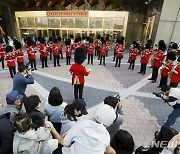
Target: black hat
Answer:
pixel 80 105
pixel 76 40
pixel 43 41
pixel 121 41
pixel 79 55
pixel 90 40
pixel 8 49
pixel 171 56
pixel 1 41
pixel 162 46
pixel 18 45
pixel 50 39
pixel 68 42
pixel 174 46
pixel 149 42
pixel 30 42
pixel 147 46
pixel 55 40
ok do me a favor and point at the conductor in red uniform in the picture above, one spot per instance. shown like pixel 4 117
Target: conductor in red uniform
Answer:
pixel 43 52
pixel 78 72
pixel 56 49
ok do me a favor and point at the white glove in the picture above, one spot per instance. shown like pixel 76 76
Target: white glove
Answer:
pixel 89 70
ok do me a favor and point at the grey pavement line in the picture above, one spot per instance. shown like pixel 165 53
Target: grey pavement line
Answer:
pixel 69 81
pixel 144 94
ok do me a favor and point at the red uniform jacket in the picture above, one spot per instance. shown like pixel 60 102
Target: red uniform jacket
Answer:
pixel 145 57
pixel 90 49
pixel 103 50
pixel 10 58
pixel 56 49
pixel 68 51
pixel 42 50
pixel 166 69
pixel 133 54
pixel 60 46
pixel 176 75
pixel 108 43
pixel 20 55
pixel 76 45
pixel 49 46
pixel 120 50
pixel 2 52
pixel 31 53
pixel 158 58
pixel 96 43
pixel 78 71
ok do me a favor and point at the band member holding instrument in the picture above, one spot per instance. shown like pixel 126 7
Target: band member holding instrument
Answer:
pixel 56 49
pixel 43 52
pixel 90 50
pixel 19 53
pixel 68 51
pixel 174 75
pixel 2 53
pixel 133 55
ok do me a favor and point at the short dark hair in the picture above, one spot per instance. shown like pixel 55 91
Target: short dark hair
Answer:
pixel 38 120
pixel 165 88
pixel 22 67
pixel 22 122
pixel 123 142
pixel 55 97
pixel 69 112
pixel 111 101
pixel 31 102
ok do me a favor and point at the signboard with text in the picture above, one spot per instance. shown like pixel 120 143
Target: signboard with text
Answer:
pixel 67 13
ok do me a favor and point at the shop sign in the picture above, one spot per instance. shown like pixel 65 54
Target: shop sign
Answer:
pixel 67 13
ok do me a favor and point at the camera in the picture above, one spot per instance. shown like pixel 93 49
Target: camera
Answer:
pixel 118 97
pixel 29 69
pixel 159 94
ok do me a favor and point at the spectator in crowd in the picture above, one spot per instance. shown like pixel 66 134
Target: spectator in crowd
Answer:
pixel 55 107
pixel 123 142
pixel 115 103
pixel 71 114
pixel 90 136
pixel 6 119
pixel 159 146
pixel 31 104
pixel 22 79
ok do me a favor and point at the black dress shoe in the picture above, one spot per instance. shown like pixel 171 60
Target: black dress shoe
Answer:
pixel 158 86
pixel 128 68
pixel 153 81
pixel 150 79
pixel 115 66
pixel 139 72
pixel 143 73
pixel 46 66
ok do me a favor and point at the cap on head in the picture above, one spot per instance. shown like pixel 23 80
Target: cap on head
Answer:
pixel 80 105
pixel 105 115
pixel 13 96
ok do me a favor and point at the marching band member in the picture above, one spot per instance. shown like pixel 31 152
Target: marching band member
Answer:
pixel 43 52
pixel 108 44
pixel 56 52
pixel 158 58
pixel 19 53
pixel 119 53
pixel 10 58
pixel 145 55
pixel 115 49
pixel 133 55
pixel 2 52
pixel 90 50
pixel 68 51
pixel 97 45
pixel 103 52
pixel 31 53
pixel 60 47
pixel 175 75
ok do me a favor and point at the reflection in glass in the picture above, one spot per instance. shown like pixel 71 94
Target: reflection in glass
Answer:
pixel 23 22
pixel 41 22
pixel 95 23
pixel 81 22
pixel 118 23
pixel 30 22
pixel 67 23
pixel 108 23
pixel 54 22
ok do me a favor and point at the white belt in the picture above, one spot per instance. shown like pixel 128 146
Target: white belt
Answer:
pixel 10 60
pixel 19 56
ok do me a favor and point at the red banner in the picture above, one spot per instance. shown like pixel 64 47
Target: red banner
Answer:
pixel 67 13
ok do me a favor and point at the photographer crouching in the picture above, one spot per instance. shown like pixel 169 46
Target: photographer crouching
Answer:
pixel 22 79
pixel 171 96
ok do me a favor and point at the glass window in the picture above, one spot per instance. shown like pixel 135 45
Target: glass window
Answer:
pixel 31 22
pixel 108 23
pixel 95 23
pixel 23 22
pixel 41 22
pixel 67 23
pixel 54 22
pixel 118 23
pixel 81 22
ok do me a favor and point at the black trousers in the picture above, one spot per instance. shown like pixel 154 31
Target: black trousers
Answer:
pixel 131 66
pixel 163 81
pixel 114 57
pixel 61 55
pixel 68 60
pixel 44 61
pixel 12 71
pixel 2 61
pixel 56 59
pixel 90 57
pixel 118 61
pixel 50 53
pixel 21 63
pixel 96 52
pixel 143 68
pixel 174 85
pixel 155 73
pixel 33 62
pixel 102 58
pixel 78 91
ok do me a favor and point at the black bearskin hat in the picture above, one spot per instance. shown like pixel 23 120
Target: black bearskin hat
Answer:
pixel 43 41
pixel 59 38
pixel 55 40
pixel 98 37
pixel 18 45
pixel 171 56
pixel 8 49
pixel 102 40
pixel 149 42
pixel 147 46
pixel 121 41
pixel 76 40
pixel 30 42
pixel 122 38
pixel 107 38
pixel 162 46
pixel 90 40
pixel 50 39
pixel 79 55
pixel 1 41
pixel 79 38
pixel 39 38
pixel 71 36
pixel 68 42
pixel 174 46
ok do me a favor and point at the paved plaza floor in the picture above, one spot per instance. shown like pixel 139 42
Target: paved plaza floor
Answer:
pixel 142 110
